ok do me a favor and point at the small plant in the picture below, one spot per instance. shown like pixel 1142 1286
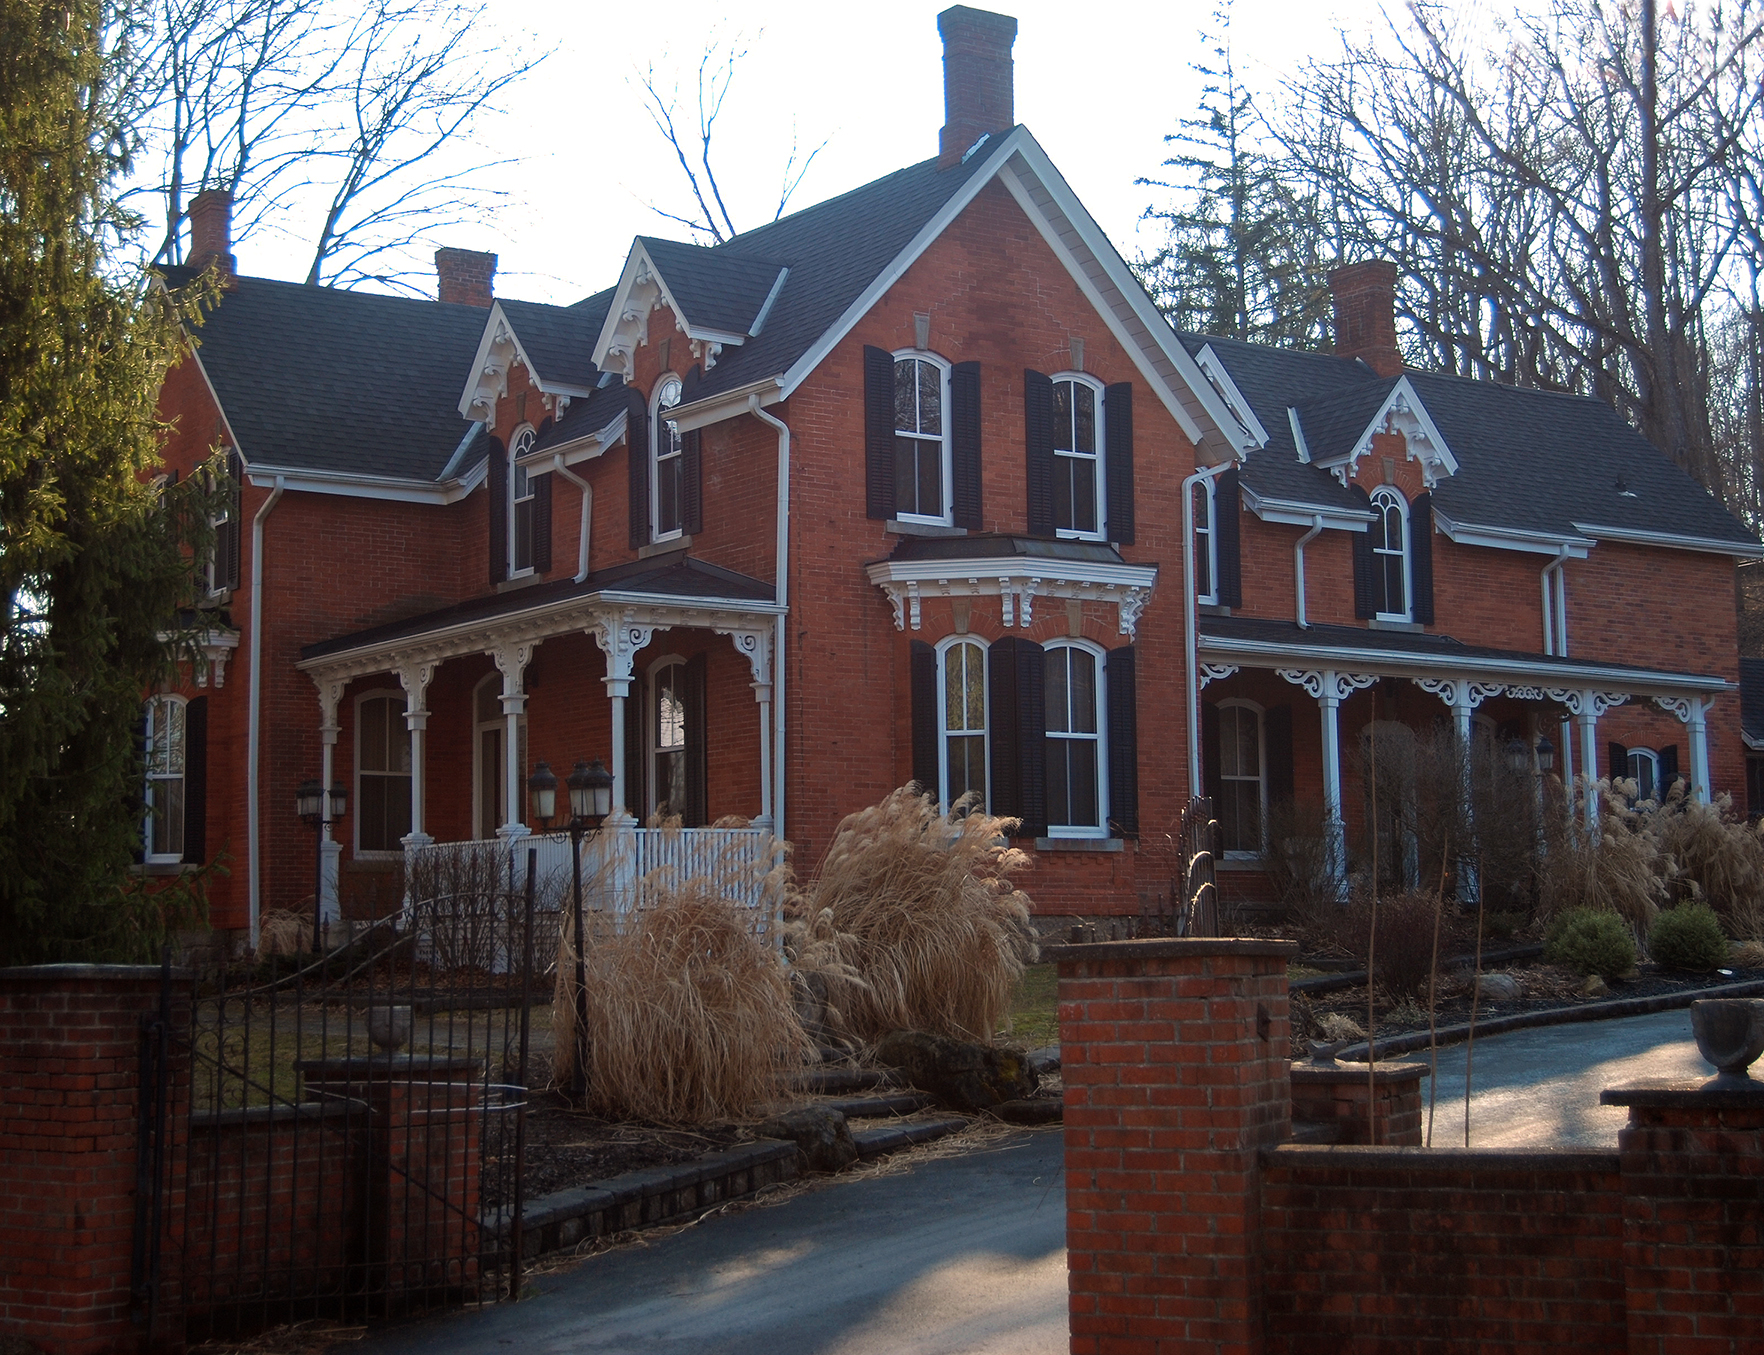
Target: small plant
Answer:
pixel 1747 955
pixel 1688 937
pixel 1404 954
pixel 1340 1026
pixel 1590 941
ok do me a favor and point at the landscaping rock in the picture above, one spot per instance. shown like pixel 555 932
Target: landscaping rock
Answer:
pixel 820 1134
pixel 1499 988
pixel 965 1077
pixel 1029 1110
pixel 1595 987
pixel 1044 1061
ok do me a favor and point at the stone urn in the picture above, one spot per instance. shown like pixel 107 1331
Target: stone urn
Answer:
pixel 1730 1035
pixel 389 1027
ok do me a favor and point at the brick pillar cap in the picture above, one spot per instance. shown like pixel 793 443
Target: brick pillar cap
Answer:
pixel 1669 1095
pixel 64 973
pixel 1328 1074
pixel 1167 948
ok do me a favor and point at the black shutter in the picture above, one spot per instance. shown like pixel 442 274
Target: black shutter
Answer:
pixel 1365 593
pixel 878 432
pixel 1277 731
pixel 541 487
pixel 227 543
pixel 1616 760
pixel 196 781
pixel 1212 760
pixel 496 485
pixel 1421 558
pixel 1038 442
pixel 637 464
pixel 964 443
pixel 696 812
pixel 137 799
pixel 924 694
pixel 1227 505
pixel 1118 461
pixel 636 750
pixel 1016 682
pixel 1032 734
pixel 1123 743
pixel 1668 757
pixel 692 481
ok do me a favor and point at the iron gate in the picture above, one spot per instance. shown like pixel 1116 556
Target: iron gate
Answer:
pixel 342 1136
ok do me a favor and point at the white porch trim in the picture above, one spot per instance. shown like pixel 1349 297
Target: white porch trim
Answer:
pixel 1017 580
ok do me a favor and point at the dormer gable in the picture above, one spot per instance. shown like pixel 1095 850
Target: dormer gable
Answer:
pixel 553 343
pixel 720 299
pixel 1336 432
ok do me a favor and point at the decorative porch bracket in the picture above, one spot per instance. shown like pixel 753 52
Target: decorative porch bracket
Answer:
pixel 1693 711
pixel 511 659
pixel 619 638
pixel 414 675
pixel 1586 706
pixel 1330 689
pixel 1216 672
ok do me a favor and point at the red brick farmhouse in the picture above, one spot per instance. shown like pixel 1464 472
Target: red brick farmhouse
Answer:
pixel 895 488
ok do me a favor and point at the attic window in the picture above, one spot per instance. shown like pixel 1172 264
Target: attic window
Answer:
pixel 520 505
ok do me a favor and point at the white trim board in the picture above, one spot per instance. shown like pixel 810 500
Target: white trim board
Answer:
pixel 1744 550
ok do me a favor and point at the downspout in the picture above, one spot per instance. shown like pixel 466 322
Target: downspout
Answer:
pixel 557 464
pixel 782 593
pixel 1192 648
pixel 1298 568
pixel 1549 621
pixel 253 851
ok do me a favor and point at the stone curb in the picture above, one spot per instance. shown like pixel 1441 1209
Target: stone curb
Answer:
pixel 1415 1041
pixel 890 1138
pixel 1353 978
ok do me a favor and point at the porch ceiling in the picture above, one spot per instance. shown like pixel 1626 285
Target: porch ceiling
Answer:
pixel 1254 642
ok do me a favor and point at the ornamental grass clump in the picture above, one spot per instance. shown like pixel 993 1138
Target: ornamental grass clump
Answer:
pixel 1688 937
pixel 1590 941
pixel 1712 855
pixel 912 922
pixel 1617 870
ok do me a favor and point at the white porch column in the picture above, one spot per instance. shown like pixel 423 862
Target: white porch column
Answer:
pixel 1330 689
pixel 1585 707
pixel 1464 696
pixel 1694 712
pixel 755 644
pixel 511 660
pixel 414 678
pixel 619 637
pixel 330 697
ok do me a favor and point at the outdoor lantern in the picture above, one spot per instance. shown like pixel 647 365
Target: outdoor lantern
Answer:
pixel 1546 754
pixel 590 792
pixel 542 786
pixel 339 801
pixel 307 800
pixel 1518 755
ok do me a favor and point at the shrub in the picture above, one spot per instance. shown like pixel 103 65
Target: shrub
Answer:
pixel 1590 941
pixel 1403 958
pixel 912 922
pixel 1712 855
pixel 1747 955
pixel 1688 937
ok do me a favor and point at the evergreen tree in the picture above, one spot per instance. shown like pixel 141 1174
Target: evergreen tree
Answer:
pixel 1243 254
pixel 95 556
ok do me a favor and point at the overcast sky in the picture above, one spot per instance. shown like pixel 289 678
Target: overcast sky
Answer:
pixel 1099 85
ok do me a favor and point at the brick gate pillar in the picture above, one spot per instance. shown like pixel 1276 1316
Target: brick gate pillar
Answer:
pixel 1175 1056
pixel 1693 1217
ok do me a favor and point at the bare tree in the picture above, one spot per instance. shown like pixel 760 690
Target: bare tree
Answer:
pixel 710 217
pixel 341 125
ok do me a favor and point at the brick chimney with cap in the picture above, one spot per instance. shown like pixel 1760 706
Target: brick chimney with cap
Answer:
pixel 978 94
pixel 1364 297
pixel 465 276
pixel 211 233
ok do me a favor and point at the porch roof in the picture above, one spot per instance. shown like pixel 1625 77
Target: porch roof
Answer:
pixel 1259 642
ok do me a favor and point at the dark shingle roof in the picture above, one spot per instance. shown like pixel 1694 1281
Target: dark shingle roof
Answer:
pixel 585 416
pixel 718 288
pixel 559 339
pixel 291 363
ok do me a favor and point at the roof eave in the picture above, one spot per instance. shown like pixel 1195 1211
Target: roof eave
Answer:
pixel 1743 550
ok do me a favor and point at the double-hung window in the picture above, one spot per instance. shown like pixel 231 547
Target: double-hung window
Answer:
pixel 1644 770
pixel 667 786
pixel 1076 776
pixel 163 832
pixel 1078 461
pixel 1390 555
pixel 921 440
pixel 1242 778
pixel 1206 556
pixel 520 505
pixel 382 773
pixel 962 715
pixel 667 467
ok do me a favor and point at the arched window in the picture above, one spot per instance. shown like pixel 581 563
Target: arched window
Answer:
pixel 1206 554
pixel 667 737
pixel 962 721
pixel 666 464
pixel 1390 555
pixel 382 773
pixel 1077 779
pixel 520 504
pixel 1078 461
pixel 163 832
pixel 921 438
pixel 1242 810
pixel 1644 770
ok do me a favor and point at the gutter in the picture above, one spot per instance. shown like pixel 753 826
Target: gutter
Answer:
pixel 254 852
pixel 1298 567
pixel 782 595
pixel 1191 646
pixel 557 464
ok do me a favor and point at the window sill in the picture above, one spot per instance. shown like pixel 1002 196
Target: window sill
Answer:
pixel 1240 861
pixel 901 527
pixel 373 863
pixel 673 543
pixel 1413 627
pixel 526 580
pixel 1212 609
pixel 1080 844
pixel 163 869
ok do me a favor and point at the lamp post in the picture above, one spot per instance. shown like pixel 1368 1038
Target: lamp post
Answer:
pixel 590 802
pixel 319 811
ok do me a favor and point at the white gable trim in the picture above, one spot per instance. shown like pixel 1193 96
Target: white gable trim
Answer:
pixel 383 487
pixel 1213 368
pixel 1402 412
pixel 499 349
pixel 643 289
pixel 585 448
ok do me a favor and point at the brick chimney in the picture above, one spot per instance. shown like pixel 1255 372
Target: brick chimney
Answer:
pixel 465 276
pixel 211 232
pixel 1364 295
pixel 978 94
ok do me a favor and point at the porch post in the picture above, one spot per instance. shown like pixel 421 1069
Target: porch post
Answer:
pixel 1330 688
pixel 414 678
pixel 1586 721
pixel 1694 712
pixel 1464 696
pixel 753 642
pixel 619 636
pixel 330 696
pixel 511 661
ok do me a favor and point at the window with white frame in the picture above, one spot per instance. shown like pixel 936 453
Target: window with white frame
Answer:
pixel 1076 776
pixel 667 737
pixel 1243 780
pixel 962 722
pixel 666 465
pixel 382 773
pixel 921 439
pixel 1644 769
pixel 1078 460
pixel 1390 555
pixel 520 504
pixel 1206 555
pixel 162 833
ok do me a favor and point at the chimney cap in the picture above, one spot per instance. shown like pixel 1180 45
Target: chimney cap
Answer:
pixel 465 277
